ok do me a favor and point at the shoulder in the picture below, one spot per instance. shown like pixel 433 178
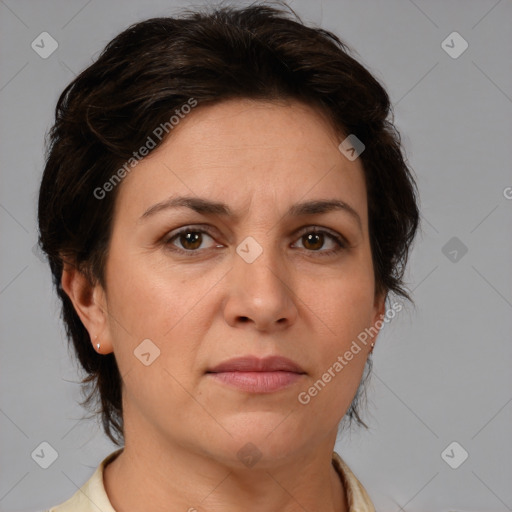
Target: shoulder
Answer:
pixel 92 495
pixel 357 497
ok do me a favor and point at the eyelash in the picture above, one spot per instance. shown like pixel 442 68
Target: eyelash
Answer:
pixel 338 240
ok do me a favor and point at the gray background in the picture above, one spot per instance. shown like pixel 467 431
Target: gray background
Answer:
pixel 442 371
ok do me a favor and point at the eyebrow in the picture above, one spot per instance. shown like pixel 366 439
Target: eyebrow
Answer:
pixel 207 207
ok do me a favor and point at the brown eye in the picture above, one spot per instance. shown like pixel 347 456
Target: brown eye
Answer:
pixel 190 239
pixel 313 241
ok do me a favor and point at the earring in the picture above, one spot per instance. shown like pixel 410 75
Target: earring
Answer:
pixel 372 345
pixel 97 344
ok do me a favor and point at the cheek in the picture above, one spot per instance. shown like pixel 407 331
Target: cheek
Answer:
pixel 343 314
pixel 143 295
pixel 345 305
pixel 171 308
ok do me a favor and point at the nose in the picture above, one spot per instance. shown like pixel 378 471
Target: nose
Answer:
pixel 260 294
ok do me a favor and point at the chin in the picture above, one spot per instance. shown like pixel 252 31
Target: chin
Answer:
pixel 271 436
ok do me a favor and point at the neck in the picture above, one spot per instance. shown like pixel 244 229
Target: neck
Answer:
pixel 177 478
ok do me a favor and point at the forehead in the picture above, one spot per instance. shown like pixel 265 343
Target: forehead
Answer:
pixel 251 128
pixel 274 153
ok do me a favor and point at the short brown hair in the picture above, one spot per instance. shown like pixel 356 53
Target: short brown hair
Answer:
pixel 157 65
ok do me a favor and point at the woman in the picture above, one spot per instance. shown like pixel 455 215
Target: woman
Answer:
pixel 226 208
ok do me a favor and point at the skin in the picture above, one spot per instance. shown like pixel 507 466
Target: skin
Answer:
pixel 183 429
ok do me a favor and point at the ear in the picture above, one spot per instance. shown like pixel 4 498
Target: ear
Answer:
pixel 90 305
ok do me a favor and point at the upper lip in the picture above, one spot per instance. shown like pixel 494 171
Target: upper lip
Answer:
pixel 256 364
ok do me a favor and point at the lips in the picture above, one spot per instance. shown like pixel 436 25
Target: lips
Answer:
pixel 257 382
pixel 251 374
pixel 255 364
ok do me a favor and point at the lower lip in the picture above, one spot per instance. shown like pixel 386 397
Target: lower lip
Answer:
pixel 258 382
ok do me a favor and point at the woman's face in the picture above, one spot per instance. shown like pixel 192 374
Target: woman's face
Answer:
pixel 256 281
